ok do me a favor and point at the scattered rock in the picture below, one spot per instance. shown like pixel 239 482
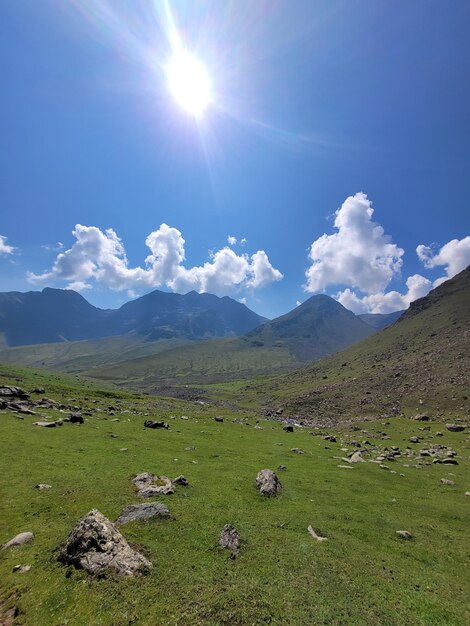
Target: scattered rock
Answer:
pixel 414 439
pixel 446 481
pixel 268 483
pixel 149 485
pixel 330 438
pixel 455 428
pixel 467 493
pixel 282 468
pixel 145 511
pixel 297 451
pixel 95 545
pixel 356 458
pixel 181 480
pixel 42 486
pixel 19 540
pixel 421 418
pixel 123 449
pixel 38 390
pixel 76 418
pixel 153 424
pixel 450 461
pixel 22 569
pixel 288 428
pixel 404 534
pixel 49 424
pixel 8 391
pixel 218 418
pixel 230 539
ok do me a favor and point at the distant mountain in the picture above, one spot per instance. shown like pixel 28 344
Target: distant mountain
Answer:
pixel 419 364
pixel 380 320
pixel 56 315
pixel 318 327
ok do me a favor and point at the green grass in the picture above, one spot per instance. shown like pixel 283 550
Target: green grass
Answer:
pixel 362 575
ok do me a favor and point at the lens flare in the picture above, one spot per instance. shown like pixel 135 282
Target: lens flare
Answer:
pixel 189 83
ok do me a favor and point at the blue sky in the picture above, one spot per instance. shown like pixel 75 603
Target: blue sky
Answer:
pixel 318 107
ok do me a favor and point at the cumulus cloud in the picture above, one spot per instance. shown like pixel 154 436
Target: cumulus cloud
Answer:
pixel 231 240
pixel 359 254
pixel 100 257
pixel 454 256
pixel 417 287
pixel 4 247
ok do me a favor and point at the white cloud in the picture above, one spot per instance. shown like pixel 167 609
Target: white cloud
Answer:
pixel 4 247
pixel 381 302
pixel 360 254
pixel 298 303
pixel 100 257
pixel 243 241
pixel 454 255
pixel 231 240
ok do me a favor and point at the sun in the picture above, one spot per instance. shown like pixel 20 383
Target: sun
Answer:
pixel 189 83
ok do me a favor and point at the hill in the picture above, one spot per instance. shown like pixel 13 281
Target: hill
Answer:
pixel 56 315
pixel 420 363
pixel 380 320
pixel 318 327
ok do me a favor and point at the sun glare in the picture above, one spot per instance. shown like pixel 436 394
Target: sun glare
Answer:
pixel 189 83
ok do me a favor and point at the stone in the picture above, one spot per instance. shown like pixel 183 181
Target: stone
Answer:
pixel 149 485
pixel 145 511
pixel 455 428
pixel 22 569
pixel 181 480
pixel 288 428
pixel 76 418
pixel 330 438
pixel 297 451
pixel 268 483
pixel 96 546
pixel 421 418
pixel 446 481
pixel 356 458
pixel 49 424
pixel 218 418
pixel 230 539
pixel 450 461
pixel 153 424
pixel 9 391
pixel 414 439
pixel 404 534
pixel 19 540
pixel 42 486
pixel 467 493
pixel 38 390
pixel 282 468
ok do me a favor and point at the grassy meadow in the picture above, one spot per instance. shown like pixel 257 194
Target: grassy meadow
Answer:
pixel 364 573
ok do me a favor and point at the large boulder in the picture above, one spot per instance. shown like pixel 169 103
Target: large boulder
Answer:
pixel 149 485
pixel 268 483
pixel 9 391
pixel 455 428
pixel 96 546
pixel 140 512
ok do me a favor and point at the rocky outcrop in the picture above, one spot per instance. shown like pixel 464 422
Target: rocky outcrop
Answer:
pixel 96 546
pixel 142 512
pixel 230 539
pixel 149 485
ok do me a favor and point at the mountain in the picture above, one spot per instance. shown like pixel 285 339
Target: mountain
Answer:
pixel 419 364
pixel 318 327
pixel 56 315
pixel 380 320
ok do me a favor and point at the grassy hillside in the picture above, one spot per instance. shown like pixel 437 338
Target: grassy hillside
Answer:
pixel 420 363
pixel 364 574
pixel 79 356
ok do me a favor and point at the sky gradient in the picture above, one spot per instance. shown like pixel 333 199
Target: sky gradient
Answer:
pixel 335 152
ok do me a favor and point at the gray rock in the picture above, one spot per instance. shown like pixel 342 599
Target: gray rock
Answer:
pixel 181 480
pixel 455 428
pixel 282 468
pixel 19 540
pixel 96 546
pixel 446 481
pixel 149 485
pixel 421 418
pixel 145 511
pixel 218 418
pixel 49 424
pixel 76 418
pixel 22 569
pixel 153 424
pixel 39 390
pixel 43 486
pixel 450 461
pixel 297 451
pixel 288 428
pixel 404 534
pixel 356 458
pixel 8 391
pixel 268 483
pixel 330 438
pixel 414 439
pixel 230 539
